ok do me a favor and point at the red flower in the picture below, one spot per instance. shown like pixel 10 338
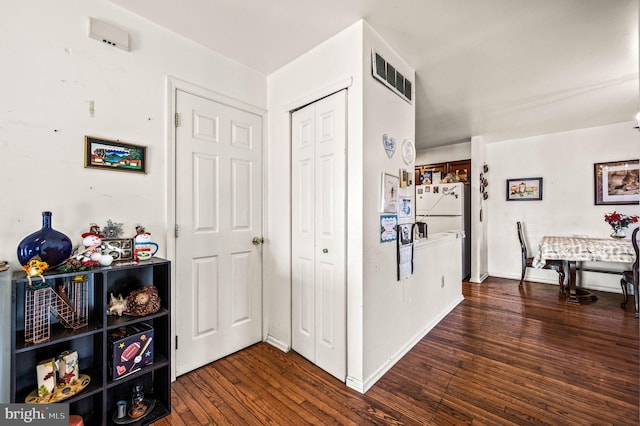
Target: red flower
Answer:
pixel 617 220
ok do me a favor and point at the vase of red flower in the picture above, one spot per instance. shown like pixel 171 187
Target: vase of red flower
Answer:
pixel 619 222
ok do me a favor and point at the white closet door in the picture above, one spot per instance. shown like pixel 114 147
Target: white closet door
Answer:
pixel 319 234
pixel 303 231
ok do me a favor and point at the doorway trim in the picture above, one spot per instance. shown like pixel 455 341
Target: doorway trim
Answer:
pixel 173 84
pixel 316 95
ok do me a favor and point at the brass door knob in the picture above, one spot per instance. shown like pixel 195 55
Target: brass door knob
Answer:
pixel 257 241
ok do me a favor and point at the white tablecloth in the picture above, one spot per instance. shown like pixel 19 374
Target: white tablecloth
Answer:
pixel 586 249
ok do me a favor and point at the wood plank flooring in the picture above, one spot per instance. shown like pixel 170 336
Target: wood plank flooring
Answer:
pixel 504 356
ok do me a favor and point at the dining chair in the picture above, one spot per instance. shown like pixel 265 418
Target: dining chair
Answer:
pixel 631 277
pixel 527 261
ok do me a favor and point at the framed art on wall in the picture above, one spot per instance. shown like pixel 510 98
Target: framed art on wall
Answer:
pixel 388 227
pixel 524 189
pixel 405 209
pixel 616 182
pixel 114 155
pixel 389 193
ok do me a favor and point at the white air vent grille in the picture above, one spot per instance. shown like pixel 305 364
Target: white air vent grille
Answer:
pixel 390 77
pixel 108 34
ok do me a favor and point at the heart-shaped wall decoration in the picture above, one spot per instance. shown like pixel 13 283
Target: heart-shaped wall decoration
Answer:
pixel 389 144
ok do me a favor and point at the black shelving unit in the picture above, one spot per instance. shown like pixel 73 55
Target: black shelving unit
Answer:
pixel 97 402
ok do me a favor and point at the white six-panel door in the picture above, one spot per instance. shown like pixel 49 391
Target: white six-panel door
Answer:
pixel 218 214
pixel 319 233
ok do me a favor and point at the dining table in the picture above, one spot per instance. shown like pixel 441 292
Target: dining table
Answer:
pixel 584 249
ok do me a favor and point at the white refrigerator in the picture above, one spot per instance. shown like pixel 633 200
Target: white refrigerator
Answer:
pixel 447 208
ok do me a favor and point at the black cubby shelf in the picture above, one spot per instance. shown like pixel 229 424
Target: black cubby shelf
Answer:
pixel 97 402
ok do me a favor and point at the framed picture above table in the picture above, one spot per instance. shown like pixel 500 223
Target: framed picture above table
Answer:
pixel 616 182
pixel 524 189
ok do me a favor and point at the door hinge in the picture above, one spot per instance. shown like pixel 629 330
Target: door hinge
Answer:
pixel 176 231
pixel 177 119
pixel 176 342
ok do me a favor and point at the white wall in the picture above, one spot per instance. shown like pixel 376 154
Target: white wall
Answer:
pixel 565 162
pixel 333 65
pixel 51 70
pixel 388 320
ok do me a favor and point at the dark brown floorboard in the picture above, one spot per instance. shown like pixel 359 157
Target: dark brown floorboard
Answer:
pixel 504 356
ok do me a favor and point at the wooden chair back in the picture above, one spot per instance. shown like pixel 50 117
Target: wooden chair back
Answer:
pixel 634 266
pixel 523 245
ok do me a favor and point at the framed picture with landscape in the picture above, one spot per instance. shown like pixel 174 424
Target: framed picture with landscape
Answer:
pixel 524 189
pixel 114 155
pixel 616 182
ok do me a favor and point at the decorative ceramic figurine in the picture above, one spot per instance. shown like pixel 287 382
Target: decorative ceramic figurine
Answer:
pixel 92 242
pixel 138 408
pixel 68 368
pixel 35 268
pixel 58 379
pixel 144 248
pixel 46 376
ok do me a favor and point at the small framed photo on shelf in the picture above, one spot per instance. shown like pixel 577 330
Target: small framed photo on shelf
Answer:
pixel 616 182
pixel 524 189
pixel 119 248
pixel 114 155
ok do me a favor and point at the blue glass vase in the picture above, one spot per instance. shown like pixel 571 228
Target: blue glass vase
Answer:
pixel 50 245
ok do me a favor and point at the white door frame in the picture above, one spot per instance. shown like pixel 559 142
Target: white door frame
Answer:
pixel 172 85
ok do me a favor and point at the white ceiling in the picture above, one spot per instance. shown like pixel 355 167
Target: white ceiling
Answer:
pixel 501 69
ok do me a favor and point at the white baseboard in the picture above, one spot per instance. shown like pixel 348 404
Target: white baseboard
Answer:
pixel 277 343
pixel 479 279
pixel 355 384
pixel 593 281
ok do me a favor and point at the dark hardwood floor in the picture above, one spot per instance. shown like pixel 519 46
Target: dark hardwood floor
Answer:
pixel 505 356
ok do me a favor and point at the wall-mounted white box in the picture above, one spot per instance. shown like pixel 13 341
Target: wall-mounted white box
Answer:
pixel 108 34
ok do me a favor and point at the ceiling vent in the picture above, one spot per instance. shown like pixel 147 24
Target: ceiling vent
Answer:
pixel 109 35
pixel 390 77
